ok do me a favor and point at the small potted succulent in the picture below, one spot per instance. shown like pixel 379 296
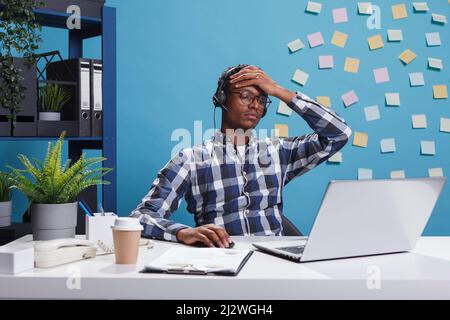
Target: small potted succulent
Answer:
pixel 52 99
pixel 52 189
pixel 5 200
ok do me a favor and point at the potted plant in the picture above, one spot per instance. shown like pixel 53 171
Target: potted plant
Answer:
pixel 52 189
pixel 52 99
pixel 5 200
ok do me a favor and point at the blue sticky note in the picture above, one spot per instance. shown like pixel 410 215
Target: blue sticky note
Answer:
pixel 427 147
pixel 372 113
pixel 433 39
pixel 387 145
pixel 416 79
pixel 364 174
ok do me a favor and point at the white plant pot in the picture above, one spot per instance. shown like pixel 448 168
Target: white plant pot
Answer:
pixel 5 213
pixel 50 116
pixel 53 221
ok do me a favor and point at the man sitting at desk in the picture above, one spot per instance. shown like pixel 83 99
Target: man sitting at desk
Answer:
pixel 233 183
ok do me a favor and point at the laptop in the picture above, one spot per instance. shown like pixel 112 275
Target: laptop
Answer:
pixel 364 217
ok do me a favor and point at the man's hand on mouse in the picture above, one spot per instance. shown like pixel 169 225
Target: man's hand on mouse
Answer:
pixel 209 234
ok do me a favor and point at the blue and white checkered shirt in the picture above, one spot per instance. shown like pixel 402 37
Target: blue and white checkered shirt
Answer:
pixel 241 194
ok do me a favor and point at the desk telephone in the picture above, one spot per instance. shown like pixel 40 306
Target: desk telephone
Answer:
pixel 60 251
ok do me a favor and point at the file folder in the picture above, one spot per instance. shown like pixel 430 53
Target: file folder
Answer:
pixel 96 98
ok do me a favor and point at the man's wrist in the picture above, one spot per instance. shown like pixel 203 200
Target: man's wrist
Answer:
pixel 284 95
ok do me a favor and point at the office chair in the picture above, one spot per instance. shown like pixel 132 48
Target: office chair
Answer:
pixel 289 229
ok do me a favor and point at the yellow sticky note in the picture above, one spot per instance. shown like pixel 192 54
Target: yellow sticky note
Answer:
pixel 351 65
pixel 360 139
pixel 440 91
pixel 325 100
pixel 399 11
pixel 281 130
pixel 339 39
pixel 407 56
pixel 375 42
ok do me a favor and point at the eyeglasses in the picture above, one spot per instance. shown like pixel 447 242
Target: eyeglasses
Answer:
pixel 247 98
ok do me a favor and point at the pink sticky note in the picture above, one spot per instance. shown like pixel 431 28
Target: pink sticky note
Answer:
pixel 315 39
pixel 326 62
pixel 349 98
pixel 381 75
pixel 340 15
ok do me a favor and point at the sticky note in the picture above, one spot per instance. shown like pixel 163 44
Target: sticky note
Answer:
pixel 326 62
pixel 349 98
pixel 284 109
pixel 375 42
pixel 427 147
pixel 435 172
pixel 407 56
pixel 336 158
pixel 419 121
pixel 365 8
pixel 351 65
pixel 365 174
pixel 435 63
pixel 392 99
pixel 416 79
pixel 387 145
pixel 340 15
pixel 295 45
pixel 324 100
pixel 372 113
pixel 381 75
pixel 339 39
pixel 395 35
pixel 399 11
pixel 315 39
pixel 438 18
pixel 420 6
pixel 360 139
pixel 300 77
pixel 281 130
pixel 313 7
pixel 440 91
pixel 444 125
pixel 433 39
pixel 398 174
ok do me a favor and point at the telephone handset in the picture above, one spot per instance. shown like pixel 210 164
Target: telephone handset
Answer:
pixel 60 251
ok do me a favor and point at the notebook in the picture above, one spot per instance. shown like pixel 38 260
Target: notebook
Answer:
pixel 200 261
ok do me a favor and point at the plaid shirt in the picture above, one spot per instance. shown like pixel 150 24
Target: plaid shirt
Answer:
pixel 241 194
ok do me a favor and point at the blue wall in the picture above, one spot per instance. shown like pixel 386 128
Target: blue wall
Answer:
pixel 171 52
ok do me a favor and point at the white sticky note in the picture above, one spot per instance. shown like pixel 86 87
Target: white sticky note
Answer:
pixel 420 6
pixel 300 77
pixel 433 39
pixel 372 113
pixel 435 63
pixel 284 109
pixel 416 79
pixel 296 45
pixel 365 8
pixel 427 147
pixel 444 125
pixel 419 121
pixel 398 174
pixel 387 145
pixel 336 158
pixel 313 7
pixel 438 18
pixel 392 99
pixel 395 35
pixel 435 172
pixel 364 174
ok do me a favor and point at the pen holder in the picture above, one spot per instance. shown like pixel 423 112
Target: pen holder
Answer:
pixel 99 228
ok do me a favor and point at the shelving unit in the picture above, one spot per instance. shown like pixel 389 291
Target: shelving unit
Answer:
pixel 92 27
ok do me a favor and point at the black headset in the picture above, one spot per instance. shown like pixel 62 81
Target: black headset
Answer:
pixel 220 97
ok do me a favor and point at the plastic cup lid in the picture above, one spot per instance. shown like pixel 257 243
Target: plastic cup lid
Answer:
pixel 127 224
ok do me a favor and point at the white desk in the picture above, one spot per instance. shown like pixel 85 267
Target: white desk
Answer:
pixel 423 273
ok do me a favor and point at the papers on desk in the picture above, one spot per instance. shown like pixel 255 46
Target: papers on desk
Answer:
pixel 201 261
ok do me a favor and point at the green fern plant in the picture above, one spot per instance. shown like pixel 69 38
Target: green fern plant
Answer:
pixel 5 187
pixel 51 182
pixel 52 98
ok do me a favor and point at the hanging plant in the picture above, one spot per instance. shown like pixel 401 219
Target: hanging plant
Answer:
pixel 19 35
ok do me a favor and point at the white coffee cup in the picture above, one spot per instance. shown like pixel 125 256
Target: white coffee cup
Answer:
pixel 126 235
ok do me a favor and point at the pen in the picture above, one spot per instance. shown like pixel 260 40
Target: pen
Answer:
pixel 86 211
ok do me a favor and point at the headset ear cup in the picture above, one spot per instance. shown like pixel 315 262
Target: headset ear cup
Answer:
pixel 222 97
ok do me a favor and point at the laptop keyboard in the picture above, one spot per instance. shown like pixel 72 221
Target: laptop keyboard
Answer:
pixel 294 250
